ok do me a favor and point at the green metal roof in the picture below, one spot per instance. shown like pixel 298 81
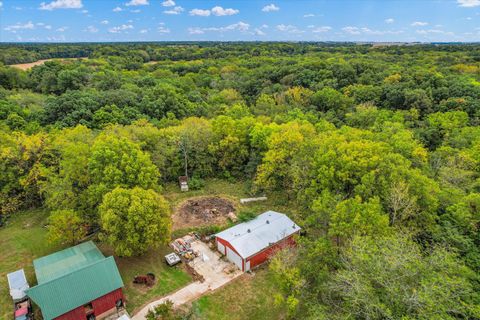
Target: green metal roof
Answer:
pixel 92 276
pixel 66 261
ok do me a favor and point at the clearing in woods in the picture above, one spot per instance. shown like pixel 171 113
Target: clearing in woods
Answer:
pixel 27 66
pixel 202 211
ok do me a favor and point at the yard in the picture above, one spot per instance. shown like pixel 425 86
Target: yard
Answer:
pixel 248 297
pixel 24 239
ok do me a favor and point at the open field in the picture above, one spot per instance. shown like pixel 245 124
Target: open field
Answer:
pixel 248 297
pixel 27 66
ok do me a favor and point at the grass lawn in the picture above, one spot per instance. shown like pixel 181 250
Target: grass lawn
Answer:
pixel 21 241
pixel 168 279
pixel 234 191
pixel 248 297
pixel 24 239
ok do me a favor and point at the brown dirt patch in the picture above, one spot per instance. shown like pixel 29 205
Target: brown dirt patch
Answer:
pixel 204 211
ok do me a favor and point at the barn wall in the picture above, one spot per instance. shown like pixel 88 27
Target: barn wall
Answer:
pixel 75 314
pixel 100 306
pixel 263 255
pixel 228 245
pixel 106 302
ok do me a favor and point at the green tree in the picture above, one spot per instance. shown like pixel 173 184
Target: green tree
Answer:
pixel 118 162
pixel 66 227
pixel 134 220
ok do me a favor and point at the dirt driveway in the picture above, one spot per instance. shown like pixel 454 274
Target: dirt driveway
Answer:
pixel 208 264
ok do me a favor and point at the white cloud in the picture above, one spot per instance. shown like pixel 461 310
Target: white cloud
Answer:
pixel 48 27
pixel 259 32
pixel 61 4
pixel 434 31
pixel 162 29
pixel 269 8
pixel 419 24
pixel 321 29
pixel 239 26
pixel 62 29
pixel 389 20
pixel 117 9
pixel 176 10
pixel 136 11
pixel 364 30
pixel 104 22
pixel 219 11
pixel 84 11
pixel 468 3
pixel 137 3
pixel 143 31
pixel 195 30
pixel 120 28
pixel 264 26
pixel 168 3
pixel 92 29
pixel 18 26
pixel 1 4
pixel 308 15
pixel 288 28
pixel 200 12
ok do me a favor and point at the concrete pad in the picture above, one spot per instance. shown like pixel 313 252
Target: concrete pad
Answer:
pixel 210 266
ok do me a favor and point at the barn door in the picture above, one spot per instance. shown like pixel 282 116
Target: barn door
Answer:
pixel 247 266
pixel 234 257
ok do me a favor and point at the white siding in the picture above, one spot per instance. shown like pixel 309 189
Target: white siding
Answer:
pixel 221 247
pixel 247 265
pixel 234 257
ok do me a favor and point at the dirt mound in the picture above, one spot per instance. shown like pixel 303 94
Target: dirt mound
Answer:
pixel 203 211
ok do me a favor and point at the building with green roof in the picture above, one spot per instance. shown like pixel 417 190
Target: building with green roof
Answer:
pixel 77 283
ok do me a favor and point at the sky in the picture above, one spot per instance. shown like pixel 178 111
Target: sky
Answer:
pixel 244 20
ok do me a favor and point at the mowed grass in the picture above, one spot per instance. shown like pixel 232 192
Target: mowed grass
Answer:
pixel 168 279
pixel 232 190
pixel 248 297
pixel 23 239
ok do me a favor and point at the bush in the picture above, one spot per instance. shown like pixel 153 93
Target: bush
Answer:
pixel 246 215
pixel 196 183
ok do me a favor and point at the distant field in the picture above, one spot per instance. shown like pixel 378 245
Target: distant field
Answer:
pixel 26 66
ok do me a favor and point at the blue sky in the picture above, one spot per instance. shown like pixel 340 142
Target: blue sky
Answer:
pixel 167 20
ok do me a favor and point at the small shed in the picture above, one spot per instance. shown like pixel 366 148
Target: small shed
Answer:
pixel 183 181
pixel 251 243
pixel 18 285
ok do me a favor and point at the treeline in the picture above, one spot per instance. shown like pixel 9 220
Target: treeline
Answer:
pixel 377 148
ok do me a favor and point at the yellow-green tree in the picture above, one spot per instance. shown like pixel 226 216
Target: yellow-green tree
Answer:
pixel 134 220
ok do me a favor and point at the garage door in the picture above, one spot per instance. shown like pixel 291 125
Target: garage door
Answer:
pixel 221 247
pixel 234 257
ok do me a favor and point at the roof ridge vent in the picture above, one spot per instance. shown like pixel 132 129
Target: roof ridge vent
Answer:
pixel 268 222
pixel 248 230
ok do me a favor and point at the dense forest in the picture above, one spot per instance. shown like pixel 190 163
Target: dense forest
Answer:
pixel 377 148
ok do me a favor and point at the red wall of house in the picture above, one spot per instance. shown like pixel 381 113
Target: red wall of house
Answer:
pixel 262 256
pixel 100 305
pixel 75 314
